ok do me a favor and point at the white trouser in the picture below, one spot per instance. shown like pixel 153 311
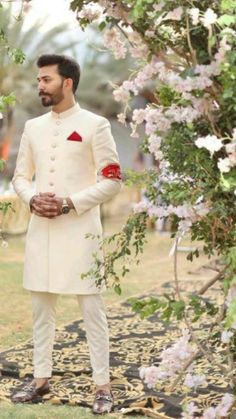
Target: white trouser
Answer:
pixel 93 312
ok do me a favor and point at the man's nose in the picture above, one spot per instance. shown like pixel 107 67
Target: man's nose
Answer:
pixel 40 85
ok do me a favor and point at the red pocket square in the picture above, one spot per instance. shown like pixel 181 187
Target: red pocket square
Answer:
pixel 74 137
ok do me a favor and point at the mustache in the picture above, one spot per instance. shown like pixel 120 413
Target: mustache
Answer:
pixel 44 94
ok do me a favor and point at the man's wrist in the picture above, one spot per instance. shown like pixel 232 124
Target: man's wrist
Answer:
pixel 70 203
pixel 31 202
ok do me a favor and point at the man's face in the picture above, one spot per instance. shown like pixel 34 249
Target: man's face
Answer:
pixel 50 85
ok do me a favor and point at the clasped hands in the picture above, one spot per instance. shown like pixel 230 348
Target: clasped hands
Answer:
pixel 46 204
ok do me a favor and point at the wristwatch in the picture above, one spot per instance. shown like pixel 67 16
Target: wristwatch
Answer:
pixel 65 207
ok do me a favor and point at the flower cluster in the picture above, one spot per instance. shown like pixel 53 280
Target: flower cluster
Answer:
pixel 112 40
pixel 214 144
pixel 173 360
pixel 220 411
pixel 90 12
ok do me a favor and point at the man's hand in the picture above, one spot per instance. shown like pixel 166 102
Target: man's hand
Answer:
pixel 46 205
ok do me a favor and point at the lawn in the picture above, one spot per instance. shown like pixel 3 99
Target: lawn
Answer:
pixel 155 268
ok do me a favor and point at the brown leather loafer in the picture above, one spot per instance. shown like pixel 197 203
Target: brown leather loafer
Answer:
pixel 29 393
pixel 103 402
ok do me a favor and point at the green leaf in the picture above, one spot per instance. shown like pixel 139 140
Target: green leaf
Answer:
pixel 226 20
pixel 102 26
pixel 117 289
pixel 231 314
pixel 228 5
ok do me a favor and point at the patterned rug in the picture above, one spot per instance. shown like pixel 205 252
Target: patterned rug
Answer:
pixel 134 343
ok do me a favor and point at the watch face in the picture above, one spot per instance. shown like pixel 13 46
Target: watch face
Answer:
pixel 65 209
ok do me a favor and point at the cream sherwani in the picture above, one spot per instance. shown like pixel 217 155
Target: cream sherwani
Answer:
pixel 57 252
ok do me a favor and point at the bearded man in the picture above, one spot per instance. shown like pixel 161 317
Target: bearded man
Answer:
pixel 67 150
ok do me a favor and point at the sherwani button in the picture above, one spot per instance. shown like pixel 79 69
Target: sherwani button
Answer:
pixel 52 158
pixel 58 122
pixel 51 183
pixel 54 145
pixel 56 133
pixel 52 170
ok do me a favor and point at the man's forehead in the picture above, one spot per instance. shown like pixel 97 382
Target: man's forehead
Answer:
pixel 48 70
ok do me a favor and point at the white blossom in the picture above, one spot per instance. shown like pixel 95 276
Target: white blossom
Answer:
pixel 209 18
pixel 226 335
pixel 224 165
pixel 121 118
pixel 210 142
pixel 194 14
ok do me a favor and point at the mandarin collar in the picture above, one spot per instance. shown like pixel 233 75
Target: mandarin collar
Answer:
pixel 66 113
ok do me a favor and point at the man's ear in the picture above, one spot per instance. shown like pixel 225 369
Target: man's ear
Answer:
pixel 68 83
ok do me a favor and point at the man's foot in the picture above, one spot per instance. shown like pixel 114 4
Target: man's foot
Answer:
pixel 103 401
pixel 30 393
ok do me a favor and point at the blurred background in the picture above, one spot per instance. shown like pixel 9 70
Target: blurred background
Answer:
pixel 50 27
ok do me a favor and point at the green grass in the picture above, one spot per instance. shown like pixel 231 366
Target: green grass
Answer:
pixel 8 411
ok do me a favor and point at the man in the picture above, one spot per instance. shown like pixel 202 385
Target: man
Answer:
pixel 66 149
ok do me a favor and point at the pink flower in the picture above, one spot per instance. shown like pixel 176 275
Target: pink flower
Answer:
pixel 223 409
pixel 188 410
pixel 194 381
pixel 141 206
pixel 210 413
pixel 159 7
pixel 139 115
pixel 140 51
pixel 149 376
pixel 90 12
pixel 121 95
pixel 175 14
pixel 130 86
pixel 150 33
pixel 112 40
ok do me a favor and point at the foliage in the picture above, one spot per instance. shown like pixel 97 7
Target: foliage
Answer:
pixel 184 52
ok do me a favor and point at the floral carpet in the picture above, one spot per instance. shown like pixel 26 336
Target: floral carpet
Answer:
pixel 134 343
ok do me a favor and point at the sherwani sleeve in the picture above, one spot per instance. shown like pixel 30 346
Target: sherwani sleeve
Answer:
pixel 104 153
pixel 24 171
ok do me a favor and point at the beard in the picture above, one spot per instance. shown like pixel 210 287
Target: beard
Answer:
pixel 51 99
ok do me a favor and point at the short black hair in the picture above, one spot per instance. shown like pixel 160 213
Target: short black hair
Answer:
pixel 67 66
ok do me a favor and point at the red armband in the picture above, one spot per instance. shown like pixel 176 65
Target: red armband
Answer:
pixel 112 171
